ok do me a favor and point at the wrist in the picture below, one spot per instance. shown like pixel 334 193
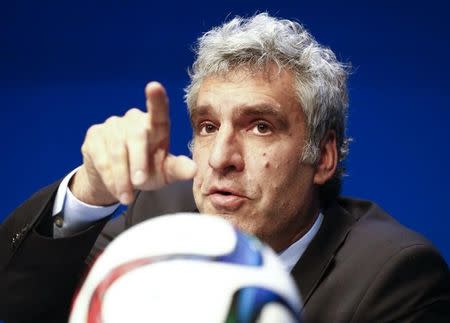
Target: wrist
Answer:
pixel 90 193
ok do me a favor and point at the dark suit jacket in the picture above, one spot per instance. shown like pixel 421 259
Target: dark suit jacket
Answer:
pixel 362 266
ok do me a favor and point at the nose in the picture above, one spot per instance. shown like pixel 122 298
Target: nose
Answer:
pixel 226 154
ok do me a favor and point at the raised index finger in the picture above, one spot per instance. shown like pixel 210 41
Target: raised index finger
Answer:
pixel 158 109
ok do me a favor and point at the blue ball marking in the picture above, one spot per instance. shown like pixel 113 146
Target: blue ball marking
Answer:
pixel 248 303
pixel 248 251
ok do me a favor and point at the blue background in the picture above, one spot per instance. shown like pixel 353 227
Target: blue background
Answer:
pixel 67 65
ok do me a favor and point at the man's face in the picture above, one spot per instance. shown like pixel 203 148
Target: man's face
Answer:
pixel 249 132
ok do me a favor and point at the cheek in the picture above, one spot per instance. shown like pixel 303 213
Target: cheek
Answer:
pixel 272 176
pixel 197 191
pixel 266 161
pixel 201 171
pixel 201 147
pixel 273 165
pixel 281 176
pixel 198 158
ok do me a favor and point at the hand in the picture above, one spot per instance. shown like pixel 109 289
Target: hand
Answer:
pixel 130 153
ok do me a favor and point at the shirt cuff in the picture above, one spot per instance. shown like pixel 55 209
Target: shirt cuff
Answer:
pixel 72 214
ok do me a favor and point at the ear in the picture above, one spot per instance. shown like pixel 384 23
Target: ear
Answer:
pixel 327 163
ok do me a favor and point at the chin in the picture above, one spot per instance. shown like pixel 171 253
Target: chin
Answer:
pixel 243 224
pixel 239 219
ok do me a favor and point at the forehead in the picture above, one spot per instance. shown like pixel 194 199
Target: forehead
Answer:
pixel 272 89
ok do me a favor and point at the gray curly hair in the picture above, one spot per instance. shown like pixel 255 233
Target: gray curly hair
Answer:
pixel 320 79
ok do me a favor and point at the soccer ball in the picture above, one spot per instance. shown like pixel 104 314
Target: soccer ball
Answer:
pixel 187 267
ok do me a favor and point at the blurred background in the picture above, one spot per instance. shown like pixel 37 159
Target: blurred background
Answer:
pixel 67 65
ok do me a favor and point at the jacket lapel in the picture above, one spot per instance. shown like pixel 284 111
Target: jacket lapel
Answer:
pixel 320 253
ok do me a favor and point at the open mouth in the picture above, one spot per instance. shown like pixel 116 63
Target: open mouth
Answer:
pixel 224 193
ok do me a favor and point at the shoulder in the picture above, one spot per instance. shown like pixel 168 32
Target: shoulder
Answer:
pixel 402 270
pixel 376 230
pixel 375 239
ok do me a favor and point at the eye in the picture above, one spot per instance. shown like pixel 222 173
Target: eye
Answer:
pixel 206 128
pixel 262 128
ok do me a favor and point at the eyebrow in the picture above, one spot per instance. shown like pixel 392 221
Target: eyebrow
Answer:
pixel 198 111
pixel 258 110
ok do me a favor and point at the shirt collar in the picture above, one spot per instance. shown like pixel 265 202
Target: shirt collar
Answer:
pixel 290 256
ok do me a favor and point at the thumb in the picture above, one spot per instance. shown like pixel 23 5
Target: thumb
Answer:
pixel 179 168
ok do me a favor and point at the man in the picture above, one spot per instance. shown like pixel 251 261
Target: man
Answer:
pixel 268 106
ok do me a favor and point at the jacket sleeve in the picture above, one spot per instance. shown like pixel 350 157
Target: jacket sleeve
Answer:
pixel 413 286
pixel 38 274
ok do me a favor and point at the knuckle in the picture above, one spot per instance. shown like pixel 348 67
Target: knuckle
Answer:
pixel 117 153
pixel 133 112
pixel 92 130
pixel 102 165
pixel 112 120
pixel 84 149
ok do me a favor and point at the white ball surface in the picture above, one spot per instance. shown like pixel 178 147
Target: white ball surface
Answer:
pixel 180 278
